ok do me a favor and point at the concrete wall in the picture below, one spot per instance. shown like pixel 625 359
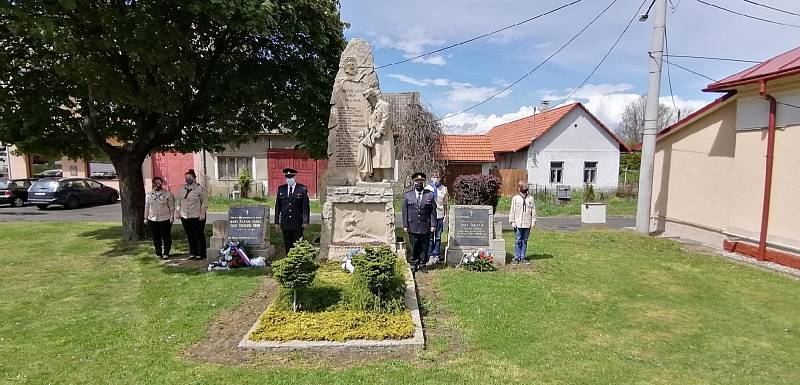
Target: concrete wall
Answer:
pixel 257 151
pixel 19 166
pixel 574 140
pixel 709 175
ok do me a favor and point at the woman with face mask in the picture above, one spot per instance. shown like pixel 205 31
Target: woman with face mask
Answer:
pixel 159 206
pixel 192 206
pixel 522 218
pixel 441 197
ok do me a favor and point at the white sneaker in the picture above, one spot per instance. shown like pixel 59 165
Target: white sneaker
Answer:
pixel 434 260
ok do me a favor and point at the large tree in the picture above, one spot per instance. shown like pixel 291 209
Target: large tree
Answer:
pixel 132 77
pixel 630 130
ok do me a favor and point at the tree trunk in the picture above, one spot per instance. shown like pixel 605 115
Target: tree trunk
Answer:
pixel 131 193
pixel 294 300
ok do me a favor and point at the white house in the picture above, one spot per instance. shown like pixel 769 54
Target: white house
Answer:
pixel 562 146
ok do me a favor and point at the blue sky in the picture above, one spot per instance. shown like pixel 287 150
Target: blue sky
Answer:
pixel 462 76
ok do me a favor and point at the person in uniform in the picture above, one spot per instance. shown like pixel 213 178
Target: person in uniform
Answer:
pixel 159 208
pixel 191 205
pixel 419 220
pixel 291 209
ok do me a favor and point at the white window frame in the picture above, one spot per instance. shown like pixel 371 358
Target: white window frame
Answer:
pixel 591 169
pixel 250 166
pixel 561 174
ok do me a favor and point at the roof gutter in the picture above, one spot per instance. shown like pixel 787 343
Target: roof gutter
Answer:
pixel 762 79
pixel 762 242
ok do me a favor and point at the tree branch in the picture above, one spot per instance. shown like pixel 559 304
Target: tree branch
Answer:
pixel 90 127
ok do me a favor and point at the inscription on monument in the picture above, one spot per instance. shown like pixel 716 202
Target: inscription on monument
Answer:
pixel 352 121
pixel 472 227
pixel 246 224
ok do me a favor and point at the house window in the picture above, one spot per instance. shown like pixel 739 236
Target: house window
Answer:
pixel 229 167
pixel 556 172
pixel 589 172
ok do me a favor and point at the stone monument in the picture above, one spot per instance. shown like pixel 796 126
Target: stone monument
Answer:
pixel 247 224
pixel 358 209
pixel 472 227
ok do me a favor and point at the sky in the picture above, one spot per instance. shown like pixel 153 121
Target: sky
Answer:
pixel 460 77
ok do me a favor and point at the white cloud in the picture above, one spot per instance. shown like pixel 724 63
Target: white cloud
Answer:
pixel 470 123
pixel 606 101
pixel 408 79
pixel 437 60
pixel 413 42
pixel 458 95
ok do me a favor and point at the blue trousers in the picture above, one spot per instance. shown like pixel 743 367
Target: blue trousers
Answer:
pixel 521 242
pixel 436 239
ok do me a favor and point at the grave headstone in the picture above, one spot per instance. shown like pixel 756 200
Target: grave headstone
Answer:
pixel 247 224
pixel 472 227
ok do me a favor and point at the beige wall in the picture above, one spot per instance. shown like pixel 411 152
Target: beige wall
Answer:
pixel 709 180
pixel 19 165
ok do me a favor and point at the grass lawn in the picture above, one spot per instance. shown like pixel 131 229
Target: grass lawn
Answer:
pixel 598 308
pixel 548 208
pixel 218 204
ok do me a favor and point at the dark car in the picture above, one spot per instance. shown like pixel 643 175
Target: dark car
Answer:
pixel 70 193
pixel 50 174
pixel 14 191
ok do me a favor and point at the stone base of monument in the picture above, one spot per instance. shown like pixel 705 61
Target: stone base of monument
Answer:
pixel 417 342
pixel 357 216
pixel 471 228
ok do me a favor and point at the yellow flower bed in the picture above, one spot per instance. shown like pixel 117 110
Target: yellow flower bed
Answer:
pixel 337 325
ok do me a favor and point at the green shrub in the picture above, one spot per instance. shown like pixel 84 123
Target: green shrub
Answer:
pixel 245 183
pixel 477 189
pixel 377 281
pixel 338 325
pixel 588 194
pixel 297 270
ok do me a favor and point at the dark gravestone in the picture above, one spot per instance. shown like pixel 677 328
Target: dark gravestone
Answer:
pixel 471 226
pixel 246 224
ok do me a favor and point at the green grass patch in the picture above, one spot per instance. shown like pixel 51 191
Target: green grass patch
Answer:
pixel 218 204
pixel 552 208
pixel 599 307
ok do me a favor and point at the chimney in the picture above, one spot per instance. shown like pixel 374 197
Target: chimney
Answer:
pixel 544 105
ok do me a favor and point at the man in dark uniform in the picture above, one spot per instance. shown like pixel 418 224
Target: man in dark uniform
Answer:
pixel 419 220
pixel 291 209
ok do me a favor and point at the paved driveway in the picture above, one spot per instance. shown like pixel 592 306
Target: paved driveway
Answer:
pixel 111 213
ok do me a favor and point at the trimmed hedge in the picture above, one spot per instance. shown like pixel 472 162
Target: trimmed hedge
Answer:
pixel 477 189
pixel 339 325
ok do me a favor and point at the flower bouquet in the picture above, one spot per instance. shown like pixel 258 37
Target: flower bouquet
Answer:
pixel 478 260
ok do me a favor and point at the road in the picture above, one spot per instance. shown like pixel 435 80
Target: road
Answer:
pixel 111 213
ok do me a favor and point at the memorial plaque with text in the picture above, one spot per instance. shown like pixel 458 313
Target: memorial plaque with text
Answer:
pixel 246 224
pixel 471 226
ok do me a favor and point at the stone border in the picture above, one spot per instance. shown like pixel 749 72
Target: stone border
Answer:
pixel 415 342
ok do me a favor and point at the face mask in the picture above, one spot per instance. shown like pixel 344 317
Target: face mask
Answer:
pixel 290 181
pixel 435 181
pixel 524 191
pixel 157 187
pixel 418 186
pixel 189 180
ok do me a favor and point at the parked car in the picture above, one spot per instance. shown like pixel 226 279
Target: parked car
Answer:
pixel 70 193
pixel 51 174
pixel 14 191
pixel 104 175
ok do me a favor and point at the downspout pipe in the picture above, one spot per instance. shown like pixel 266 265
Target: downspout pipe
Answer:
pixel 773 104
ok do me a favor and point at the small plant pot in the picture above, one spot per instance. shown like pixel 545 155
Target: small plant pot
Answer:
pixel 593 213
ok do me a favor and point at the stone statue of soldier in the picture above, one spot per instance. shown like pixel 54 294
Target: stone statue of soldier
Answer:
pixel 376 150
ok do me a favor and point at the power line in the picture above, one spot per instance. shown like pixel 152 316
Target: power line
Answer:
pixel 772 8
pixel 669 75
pixel 715 58
pixel 714 80
pixel 481 36
pixel 506 88
pixel 748 16
pixel 606 55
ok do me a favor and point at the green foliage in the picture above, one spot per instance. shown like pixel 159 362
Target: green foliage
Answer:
pixel 630 161
pixel 378 283
pixel 297 270
pixel 245 183
pixel 588 194
pixel 476 189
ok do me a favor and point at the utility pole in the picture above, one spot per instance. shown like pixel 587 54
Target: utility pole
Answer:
pixel 651 119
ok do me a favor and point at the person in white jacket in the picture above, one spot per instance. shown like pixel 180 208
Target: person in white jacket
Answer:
pixel 159 206
pixel 522 217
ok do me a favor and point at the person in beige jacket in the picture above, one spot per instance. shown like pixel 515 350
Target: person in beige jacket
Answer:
pixel 192 205
pixel 522 217
pixel 159 206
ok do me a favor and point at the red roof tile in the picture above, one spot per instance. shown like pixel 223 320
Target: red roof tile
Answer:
pixel 516 135
pixel 784 64
pixel 466 148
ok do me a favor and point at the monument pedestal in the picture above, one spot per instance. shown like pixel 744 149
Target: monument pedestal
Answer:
pixel 472 228
pixel 357 216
